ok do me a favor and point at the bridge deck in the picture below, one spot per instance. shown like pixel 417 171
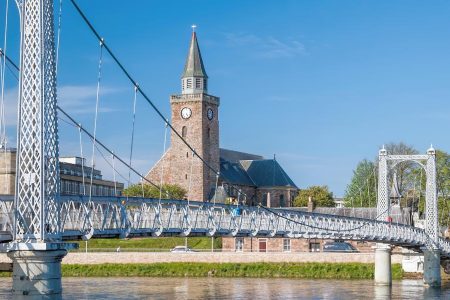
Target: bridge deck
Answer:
pixel 107 217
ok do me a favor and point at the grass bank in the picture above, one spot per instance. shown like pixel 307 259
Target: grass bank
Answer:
pixel 274 270
pixel 160 243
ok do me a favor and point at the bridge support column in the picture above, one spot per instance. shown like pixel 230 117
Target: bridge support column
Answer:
pixel 432 268
pixel 37 274
pixel 383 275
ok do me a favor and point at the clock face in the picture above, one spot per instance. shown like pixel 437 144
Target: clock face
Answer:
pixel 186 113
pixel 210 114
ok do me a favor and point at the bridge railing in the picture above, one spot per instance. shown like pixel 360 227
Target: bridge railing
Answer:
pixel 86 217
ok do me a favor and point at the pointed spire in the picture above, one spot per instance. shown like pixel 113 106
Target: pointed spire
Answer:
pixel 194 64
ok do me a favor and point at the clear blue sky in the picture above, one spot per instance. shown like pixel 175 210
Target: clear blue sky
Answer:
pixel 323 84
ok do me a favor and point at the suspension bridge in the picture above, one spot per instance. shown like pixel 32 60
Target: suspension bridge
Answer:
pixel 37 220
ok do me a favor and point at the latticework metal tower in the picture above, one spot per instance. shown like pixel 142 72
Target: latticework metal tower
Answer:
pixel 36 249
pixel 36 200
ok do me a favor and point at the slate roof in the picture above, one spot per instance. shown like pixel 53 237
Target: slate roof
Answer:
pixel 267 173
pixel 194 64
pixel 252 170
pixel 232 172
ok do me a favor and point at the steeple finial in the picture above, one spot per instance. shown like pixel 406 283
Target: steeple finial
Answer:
pixel 193 27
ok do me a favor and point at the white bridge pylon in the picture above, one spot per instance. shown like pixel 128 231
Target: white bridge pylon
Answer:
pixel 434 246
pixel 387 163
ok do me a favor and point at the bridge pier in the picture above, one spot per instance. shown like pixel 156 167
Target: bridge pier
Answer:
pixel 37 270
pixel 383 274
pixel 432 267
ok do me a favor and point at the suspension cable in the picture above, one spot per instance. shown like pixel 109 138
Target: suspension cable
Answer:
pixel 114 175
pixel 58 35
pixel 2 79
pixel 162 163
pixel 106 148
pixel 134 82
pixel 82 160
pixel 190 177
pixel 132 132
pixel 99 77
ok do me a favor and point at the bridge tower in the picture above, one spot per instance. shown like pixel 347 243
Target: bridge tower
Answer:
pixel 36 249
pixel 386 162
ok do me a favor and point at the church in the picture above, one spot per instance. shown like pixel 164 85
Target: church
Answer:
pixel 214 174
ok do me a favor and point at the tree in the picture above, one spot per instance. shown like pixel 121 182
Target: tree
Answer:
pixel 320 195
pixel 168 191
pixel 362 190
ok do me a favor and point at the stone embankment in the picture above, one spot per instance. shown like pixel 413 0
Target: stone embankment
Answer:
pixel 216 257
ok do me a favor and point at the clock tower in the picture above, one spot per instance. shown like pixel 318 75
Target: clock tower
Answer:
pixel 195 116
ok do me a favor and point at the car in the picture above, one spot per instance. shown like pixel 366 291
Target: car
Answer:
pixel 338 247
pixel 179 249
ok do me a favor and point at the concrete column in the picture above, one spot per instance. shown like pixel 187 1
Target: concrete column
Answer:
pixel 383 274
pixel 432 268
pixel 37 274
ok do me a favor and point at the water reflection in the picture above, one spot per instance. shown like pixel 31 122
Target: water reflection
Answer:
pixel 237 288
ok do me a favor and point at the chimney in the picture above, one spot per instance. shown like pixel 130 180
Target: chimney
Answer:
pixel 310 204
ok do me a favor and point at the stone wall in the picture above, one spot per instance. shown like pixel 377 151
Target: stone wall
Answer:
pixel 216 257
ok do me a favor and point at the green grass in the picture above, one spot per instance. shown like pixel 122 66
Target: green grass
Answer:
pixel 269 270
pixel 150 243
pixel 254 270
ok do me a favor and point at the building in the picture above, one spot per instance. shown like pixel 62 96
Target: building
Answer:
pixel 71 175
pixel 245 177
pixel 71 170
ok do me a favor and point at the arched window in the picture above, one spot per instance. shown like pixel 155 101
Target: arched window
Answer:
pixel 184 131
pixel 209 133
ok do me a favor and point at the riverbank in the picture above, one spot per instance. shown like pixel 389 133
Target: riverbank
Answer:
pixel 254 270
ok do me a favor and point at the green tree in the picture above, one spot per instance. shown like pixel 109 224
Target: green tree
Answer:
pixel 320 195
pixel 168 191
pixel 362 190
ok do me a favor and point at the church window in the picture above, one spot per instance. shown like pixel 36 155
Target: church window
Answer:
pixel 204 84
pixel 282 201
pixel 189 83
pixel 198 83
pixel 185 176
pixel 187 154
pixel 184 131
pixel 209 133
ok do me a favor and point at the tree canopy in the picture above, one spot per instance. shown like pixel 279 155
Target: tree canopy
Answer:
pixel 168 191
pixel 320 195
pixel 362 190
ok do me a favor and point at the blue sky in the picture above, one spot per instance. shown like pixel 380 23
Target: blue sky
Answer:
pixel 323 84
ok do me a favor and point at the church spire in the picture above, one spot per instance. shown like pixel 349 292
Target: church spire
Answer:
pixel 194 78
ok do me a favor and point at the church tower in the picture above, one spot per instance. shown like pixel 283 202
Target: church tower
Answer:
pixel 195 116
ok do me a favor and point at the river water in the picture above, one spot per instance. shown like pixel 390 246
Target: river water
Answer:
pixel 237 288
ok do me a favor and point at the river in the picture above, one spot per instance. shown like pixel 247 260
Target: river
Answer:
pixel 237 288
